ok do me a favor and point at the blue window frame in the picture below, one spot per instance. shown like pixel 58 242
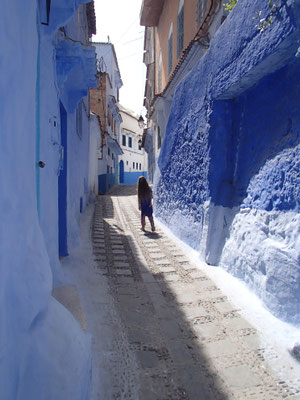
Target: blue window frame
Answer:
pixel 123 140
pixel 45 11
pixel 129 141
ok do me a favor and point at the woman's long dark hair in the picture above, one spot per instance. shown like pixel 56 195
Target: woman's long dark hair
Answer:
pixel 144 190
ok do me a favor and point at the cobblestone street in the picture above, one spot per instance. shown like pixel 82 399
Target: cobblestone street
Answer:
pixel 163 330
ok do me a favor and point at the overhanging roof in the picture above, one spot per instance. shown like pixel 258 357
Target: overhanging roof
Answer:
pixel 150 12
pixel 75 71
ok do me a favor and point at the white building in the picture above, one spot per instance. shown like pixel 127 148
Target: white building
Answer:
pixel 133 163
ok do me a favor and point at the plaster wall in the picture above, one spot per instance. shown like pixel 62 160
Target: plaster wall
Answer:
pixel 50 148
pixel 35 329
pixel 229 164
pixel 169 15
pixel 78 172
pixel 49 153
pixel 77 27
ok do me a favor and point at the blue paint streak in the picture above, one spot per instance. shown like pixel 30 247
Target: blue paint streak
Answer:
pixel 62 186
pixel 37 119
pixel 105 182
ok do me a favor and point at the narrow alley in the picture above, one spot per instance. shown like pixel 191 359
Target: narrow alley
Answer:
pixel 161 328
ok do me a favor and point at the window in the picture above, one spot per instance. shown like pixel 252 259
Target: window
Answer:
pixel 158 137
pixel 79 119
pixel 45 11
pixel 108 169
pixel 159 77
pixel 133 165
pixel 111 170
pixel 108 151
pixel 123 140
pixel 170 50
pixel 126 162
pixel 112 156
pixel 140 166
pixel 201 8
pixel 129 141
pixel 180 28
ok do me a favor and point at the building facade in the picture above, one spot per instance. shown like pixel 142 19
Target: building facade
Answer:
pixel 228 171
pixel 44 188
pixel 133 161
pixel 177 35
pixel 103 103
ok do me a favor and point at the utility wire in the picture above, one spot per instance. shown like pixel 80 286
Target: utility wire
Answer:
pixel 130 26
pixel 133 40
pixel 121 37
pixel 131 55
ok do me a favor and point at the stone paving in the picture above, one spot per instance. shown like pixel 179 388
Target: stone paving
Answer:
pixel 171 333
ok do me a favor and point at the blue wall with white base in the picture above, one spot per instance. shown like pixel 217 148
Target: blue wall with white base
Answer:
pixel 131 178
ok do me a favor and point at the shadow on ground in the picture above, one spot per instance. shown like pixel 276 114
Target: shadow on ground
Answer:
pixel 170 361
pixel 128 190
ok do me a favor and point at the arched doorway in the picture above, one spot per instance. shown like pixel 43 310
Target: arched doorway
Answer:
pixel 121 172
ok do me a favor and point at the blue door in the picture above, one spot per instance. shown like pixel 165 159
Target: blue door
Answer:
pixel 121 171
pixel 62 186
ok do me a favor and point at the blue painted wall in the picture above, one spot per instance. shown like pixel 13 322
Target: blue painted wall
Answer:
pixel 232 144
pixel 131 178
pixel 105 182
pixel 102 186
pixel 34 326
pixel 270 124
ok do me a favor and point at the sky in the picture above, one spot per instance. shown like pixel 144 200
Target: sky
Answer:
pixel 119 19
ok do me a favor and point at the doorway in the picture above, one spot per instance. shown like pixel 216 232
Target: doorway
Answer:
pixel 121 171
pixel 62 186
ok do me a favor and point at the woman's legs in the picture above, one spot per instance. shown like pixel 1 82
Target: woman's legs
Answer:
pixel 152 223
pixel 143 222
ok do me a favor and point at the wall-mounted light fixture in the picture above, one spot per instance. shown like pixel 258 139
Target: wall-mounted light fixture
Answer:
pixel 141 122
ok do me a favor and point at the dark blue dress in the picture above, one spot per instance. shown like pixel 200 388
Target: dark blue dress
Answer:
pixel 146 207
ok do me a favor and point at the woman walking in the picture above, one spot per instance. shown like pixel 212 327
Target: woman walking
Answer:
pixel 145 202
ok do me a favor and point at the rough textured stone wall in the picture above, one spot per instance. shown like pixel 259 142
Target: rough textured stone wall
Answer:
pixel 229 165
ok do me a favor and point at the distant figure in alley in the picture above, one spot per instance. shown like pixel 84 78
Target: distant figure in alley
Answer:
pixel 145 202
